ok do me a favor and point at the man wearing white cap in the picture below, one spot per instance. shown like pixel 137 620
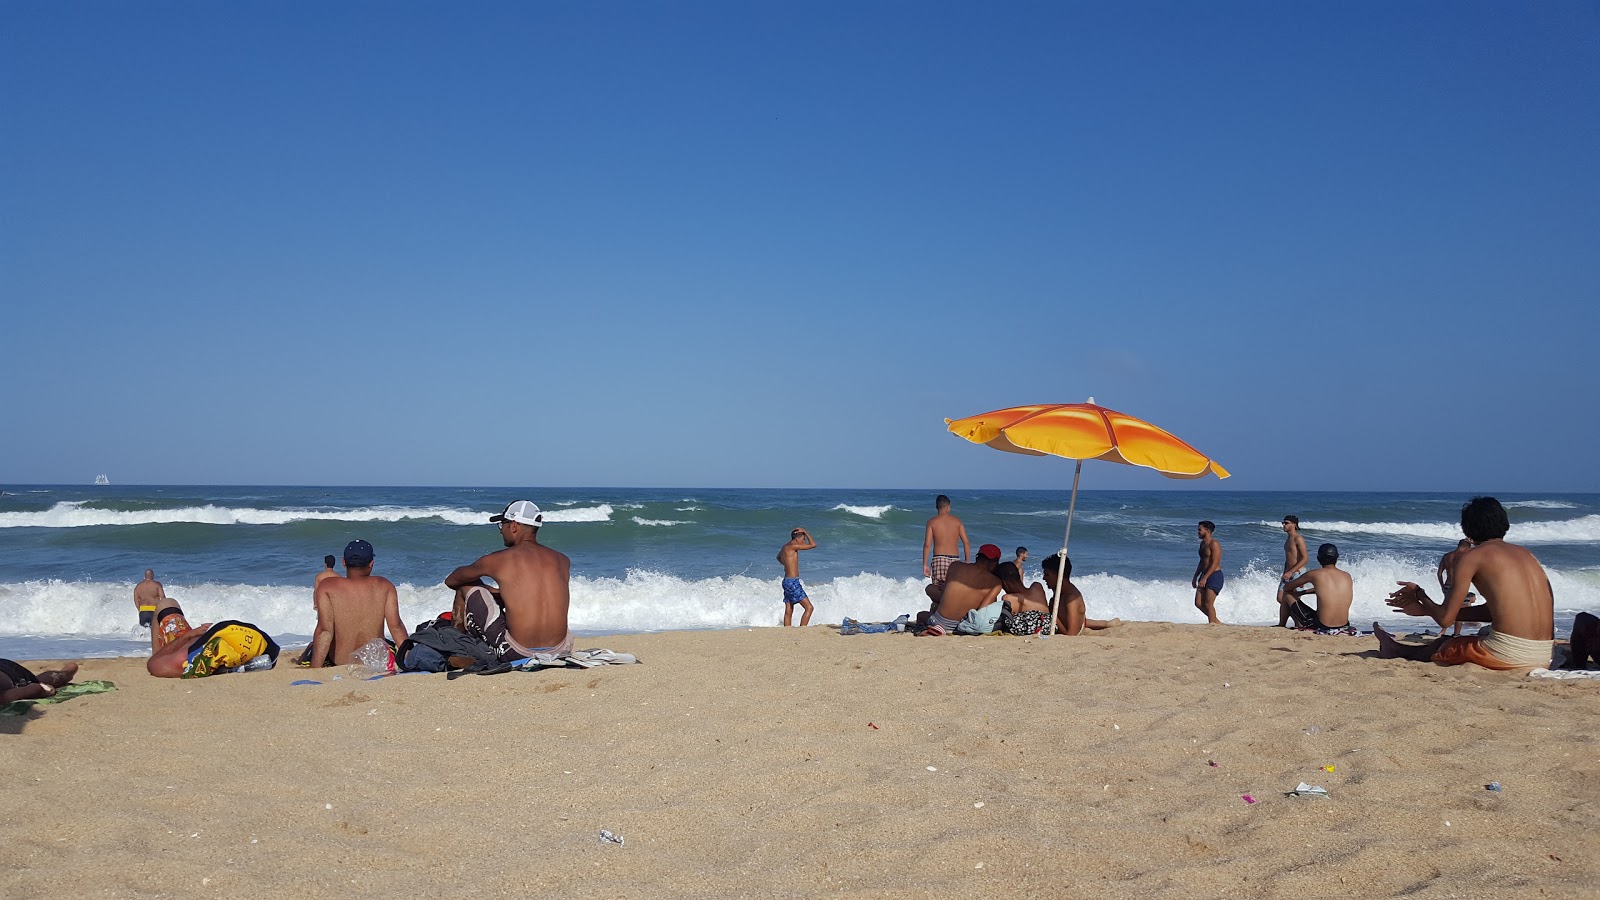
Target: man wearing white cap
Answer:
pixel 527 614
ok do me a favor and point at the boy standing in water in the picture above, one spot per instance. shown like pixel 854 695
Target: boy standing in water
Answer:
pixel 1208 574
pixel 793 591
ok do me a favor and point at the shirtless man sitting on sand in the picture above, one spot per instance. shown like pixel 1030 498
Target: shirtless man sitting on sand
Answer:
pixel 1071 615
pixel 354 609
pixel 528 614
pixel 970 586
pixel 1519 604
pixel 1334 591
pixel 943 537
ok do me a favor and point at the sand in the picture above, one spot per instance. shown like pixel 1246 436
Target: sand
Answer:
pixel 793 763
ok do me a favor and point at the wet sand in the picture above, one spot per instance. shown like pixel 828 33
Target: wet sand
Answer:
pixel 794 763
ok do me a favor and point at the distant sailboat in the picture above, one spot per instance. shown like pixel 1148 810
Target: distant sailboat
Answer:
pixel 101 479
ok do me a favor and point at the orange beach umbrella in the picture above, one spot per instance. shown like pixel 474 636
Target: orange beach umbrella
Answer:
pixel 1083 431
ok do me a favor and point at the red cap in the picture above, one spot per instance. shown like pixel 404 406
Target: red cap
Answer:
pixel 990 551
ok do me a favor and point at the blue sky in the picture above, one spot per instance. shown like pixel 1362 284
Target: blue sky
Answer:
pixel 1340 246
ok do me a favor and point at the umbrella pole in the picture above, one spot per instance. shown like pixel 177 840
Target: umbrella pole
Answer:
pixel 1061 571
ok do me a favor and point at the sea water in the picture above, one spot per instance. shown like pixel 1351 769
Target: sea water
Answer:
pixel 677 558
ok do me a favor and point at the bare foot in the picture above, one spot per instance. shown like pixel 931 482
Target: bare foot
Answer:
pixel 59 677
pixel 1388 647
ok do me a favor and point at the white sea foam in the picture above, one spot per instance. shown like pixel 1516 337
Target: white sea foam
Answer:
pixel 74 514
pixel 1582 530
pixel 1539 504
pixel 871 512
pixel 601 513
pixel 47 613
pixel 659 522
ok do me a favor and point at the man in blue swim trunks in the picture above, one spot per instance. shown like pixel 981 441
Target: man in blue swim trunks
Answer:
pixel 1208 577
pixel 793 591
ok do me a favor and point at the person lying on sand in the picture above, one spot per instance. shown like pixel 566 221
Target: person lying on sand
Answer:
pixel 1334 592
pixel 18 683
pixel 169 624
pixel 1520 605
pixel 354 609
pixel 1071 614
pixel 970 585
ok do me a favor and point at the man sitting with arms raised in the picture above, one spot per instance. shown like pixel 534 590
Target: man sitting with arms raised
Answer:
pixel 970 585
pixel 1334 591
pixel 1520 605
pixel 528 614
pixel 353 610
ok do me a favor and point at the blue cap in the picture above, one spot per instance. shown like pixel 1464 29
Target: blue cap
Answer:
pixel 358 553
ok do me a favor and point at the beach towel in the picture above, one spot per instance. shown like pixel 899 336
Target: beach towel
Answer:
pixel 66 692
pixel 577 659
pixel 228 646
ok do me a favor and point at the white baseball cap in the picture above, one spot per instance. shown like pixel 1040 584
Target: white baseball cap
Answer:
pixel 524 511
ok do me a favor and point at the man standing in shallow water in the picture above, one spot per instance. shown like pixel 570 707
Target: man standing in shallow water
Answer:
pixel 146 595
pixel 794 592
pixel 1519 604
pixel 1208 576
pixel 943 537
pixel 528 614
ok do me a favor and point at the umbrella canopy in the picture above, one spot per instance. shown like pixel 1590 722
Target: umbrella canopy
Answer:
pixel 1083 431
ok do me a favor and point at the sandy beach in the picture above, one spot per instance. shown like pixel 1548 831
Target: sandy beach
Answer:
pixel 773 762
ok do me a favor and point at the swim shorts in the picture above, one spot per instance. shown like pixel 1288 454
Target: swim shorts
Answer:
pixel 169 622
pixel 1024 623
pixel 793 591
pixel 939 568
pixel 1470 649
pixel 147 615
pixel 1303 615
pixel 1214 583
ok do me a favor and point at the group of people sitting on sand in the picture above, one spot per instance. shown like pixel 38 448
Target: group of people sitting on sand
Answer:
pixel 987 595
pixel 522 615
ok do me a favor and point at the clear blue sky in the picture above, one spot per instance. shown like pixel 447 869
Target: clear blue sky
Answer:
pixel 1341 245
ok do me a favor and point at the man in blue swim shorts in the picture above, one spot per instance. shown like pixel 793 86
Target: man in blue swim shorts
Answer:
pixel 1208 578
pixel 793 591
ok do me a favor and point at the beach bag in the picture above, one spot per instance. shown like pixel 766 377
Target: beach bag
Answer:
pixel 229 646
pixel 981 620
pixel 429 648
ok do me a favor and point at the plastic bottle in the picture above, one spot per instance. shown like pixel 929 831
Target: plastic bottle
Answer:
pixel 255 665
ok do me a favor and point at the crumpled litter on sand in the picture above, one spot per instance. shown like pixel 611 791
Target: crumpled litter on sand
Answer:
pixel 1565 674
pixel 1248 799
pixel 607 837
pixel 1307 790
pixel 1493 786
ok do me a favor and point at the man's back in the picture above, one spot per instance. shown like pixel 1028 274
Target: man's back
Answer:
pixel 1514 584
pixel 147 592
pixel 945 532
pixel 1335 592
pixel 970 586
pixel 355 609
pixel 535 588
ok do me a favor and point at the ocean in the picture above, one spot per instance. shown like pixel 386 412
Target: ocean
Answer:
pixel 697 558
